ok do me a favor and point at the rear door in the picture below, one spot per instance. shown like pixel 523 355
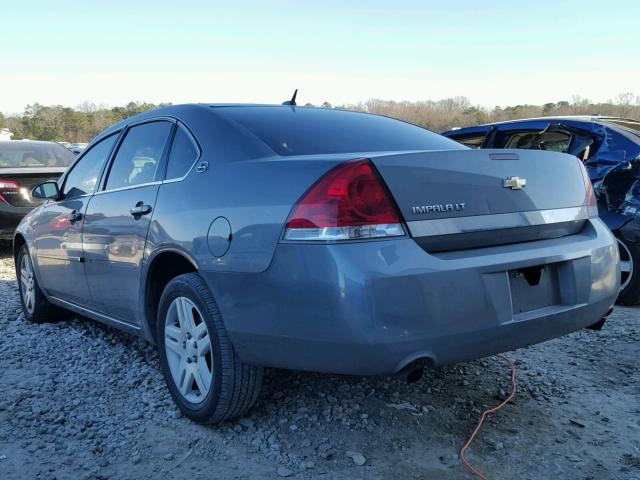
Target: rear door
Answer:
pixel 57 229
pixel 118 218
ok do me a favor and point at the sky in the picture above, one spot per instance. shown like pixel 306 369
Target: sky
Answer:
pixel 340 51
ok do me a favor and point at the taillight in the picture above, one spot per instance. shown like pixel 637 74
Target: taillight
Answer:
pixel 348 203
pixel 9 185
pixel 590 195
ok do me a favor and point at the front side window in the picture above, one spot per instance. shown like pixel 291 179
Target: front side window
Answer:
pixel 182 156
pixel 139 155
pixel 83 177
pixel 552 141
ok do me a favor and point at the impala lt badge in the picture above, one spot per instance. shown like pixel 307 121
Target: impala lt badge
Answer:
pixel 442 207
pixel 515 183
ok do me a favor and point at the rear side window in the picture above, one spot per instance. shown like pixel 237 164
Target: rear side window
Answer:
pixel 139 155
pixel 83 177
pixel 471 141
pixel 182 156
pixel 309 131
pixel 552 141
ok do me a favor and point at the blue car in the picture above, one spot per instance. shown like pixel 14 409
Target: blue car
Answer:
pixel 242 236
pixel 609 147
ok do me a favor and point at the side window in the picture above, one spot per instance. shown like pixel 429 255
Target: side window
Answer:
pixel 83 177
pixel 471 141
pixel 139 155
pixel 552 141
pixel 183 155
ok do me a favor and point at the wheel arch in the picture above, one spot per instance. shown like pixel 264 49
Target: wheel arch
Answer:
pixel 18 242
pixel 160 269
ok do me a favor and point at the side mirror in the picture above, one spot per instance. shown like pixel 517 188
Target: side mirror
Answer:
pixel 46 191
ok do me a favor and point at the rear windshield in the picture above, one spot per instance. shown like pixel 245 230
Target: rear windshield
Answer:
pixel 628 125
pixel 310 131
pixel 19 154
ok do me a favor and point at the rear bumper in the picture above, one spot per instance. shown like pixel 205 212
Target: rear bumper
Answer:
pixel 373 307
pixel 10 217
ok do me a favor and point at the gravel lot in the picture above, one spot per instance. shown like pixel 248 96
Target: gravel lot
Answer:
pixel 81 400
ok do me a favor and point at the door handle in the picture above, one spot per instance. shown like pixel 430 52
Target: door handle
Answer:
pixel 141 209
pixel 74 216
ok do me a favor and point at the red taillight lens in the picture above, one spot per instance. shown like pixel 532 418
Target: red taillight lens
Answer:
pixel 590 195
pixel 349 202
pixel 9 185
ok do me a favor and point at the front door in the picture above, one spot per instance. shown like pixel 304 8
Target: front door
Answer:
pixel 118 218
pixel 58 234
pixel 58 228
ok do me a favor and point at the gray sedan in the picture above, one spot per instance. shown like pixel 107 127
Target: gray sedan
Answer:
pixel 242 236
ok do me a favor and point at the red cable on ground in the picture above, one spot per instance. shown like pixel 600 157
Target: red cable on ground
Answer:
pixel 489 411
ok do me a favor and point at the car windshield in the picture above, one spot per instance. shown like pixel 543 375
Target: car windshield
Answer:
pixel 310 131
pixel 19 154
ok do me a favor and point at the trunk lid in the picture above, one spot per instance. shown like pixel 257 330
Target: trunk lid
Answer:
pixel 27 178
pixel 472 198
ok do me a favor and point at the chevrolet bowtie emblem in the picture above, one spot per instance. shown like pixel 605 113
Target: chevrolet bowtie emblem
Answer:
pixel 515 183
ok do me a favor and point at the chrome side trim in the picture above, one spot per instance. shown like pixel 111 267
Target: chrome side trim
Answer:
pixel 98 317
pixel 480 223
pixel 61 257
pixel 130 187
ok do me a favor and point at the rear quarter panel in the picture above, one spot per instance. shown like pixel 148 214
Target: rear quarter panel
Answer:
pixel 255 196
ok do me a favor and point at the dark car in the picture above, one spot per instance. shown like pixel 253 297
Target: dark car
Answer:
pixel 610 150
pixel 237 237
pixel 24 164
pixel 77 148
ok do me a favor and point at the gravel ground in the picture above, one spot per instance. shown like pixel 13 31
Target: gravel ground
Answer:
pixel 81 400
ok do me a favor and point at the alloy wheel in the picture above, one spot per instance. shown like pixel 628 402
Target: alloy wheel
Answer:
pixel 27 282
pixel 626 265
pixel 188 350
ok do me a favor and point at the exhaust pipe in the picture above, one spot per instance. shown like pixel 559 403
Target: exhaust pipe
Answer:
pixel 410 374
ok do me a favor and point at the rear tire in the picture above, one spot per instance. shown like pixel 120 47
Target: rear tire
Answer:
pixel 207 380
pixel 35 305
pixel 630 275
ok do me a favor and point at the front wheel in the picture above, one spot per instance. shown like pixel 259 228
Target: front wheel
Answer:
pixel 207 380
pixel 629 271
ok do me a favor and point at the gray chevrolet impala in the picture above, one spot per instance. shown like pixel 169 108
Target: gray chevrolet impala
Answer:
pixel 242 236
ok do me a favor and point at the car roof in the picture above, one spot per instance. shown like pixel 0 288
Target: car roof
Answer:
pixel 186 110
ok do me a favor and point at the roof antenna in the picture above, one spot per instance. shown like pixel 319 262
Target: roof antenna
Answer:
pixel 292 102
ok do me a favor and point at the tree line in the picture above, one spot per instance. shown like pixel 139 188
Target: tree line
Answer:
pixel 79 124
pixel 82 123
pixel 448 113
